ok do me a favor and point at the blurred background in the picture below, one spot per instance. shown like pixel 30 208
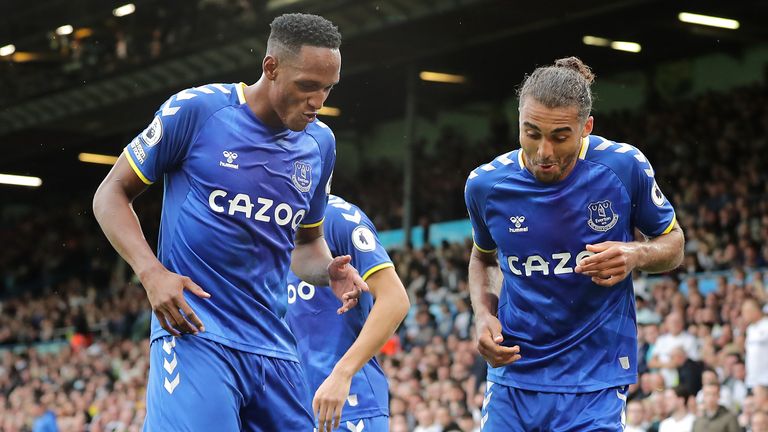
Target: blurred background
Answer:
pixel 427 94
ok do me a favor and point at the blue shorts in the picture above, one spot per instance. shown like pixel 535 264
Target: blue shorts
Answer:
pixel 199 385
pixel 369 424
pixel 512 409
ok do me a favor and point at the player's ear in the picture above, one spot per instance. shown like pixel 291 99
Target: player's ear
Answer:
pixel 269 66
pixel 590 123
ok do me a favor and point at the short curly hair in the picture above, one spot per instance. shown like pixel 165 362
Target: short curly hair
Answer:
pixel 292 31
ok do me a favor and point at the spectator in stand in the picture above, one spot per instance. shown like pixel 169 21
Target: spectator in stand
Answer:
pixel 446 421
pixel 688 371
pixel 714 417
pixel 636 421
pixel 710 377
pixel 756 343
pixel 673 337
pixel 679 418
pixel 650 383
pixel 648 334
pixel 426 420
pixel 55 278
pixel 759 422
pixel 760 393
pixel 735 383
pixel 399 424
pixel 44 417
pixel 463 321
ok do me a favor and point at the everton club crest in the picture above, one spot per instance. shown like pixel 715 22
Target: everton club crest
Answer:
pixel 302 176
pixel 601 216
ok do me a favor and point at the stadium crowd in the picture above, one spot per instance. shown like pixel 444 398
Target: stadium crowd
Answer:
pixel 709 153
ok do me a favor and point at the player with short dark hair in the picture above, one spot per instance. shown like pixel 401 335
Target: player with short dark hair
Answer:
pixel 290 32
pixel 557 219
pixel 246 172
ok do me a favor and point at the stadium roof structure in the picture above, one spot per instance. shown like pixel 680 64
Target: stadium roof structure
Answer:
pixel 492 43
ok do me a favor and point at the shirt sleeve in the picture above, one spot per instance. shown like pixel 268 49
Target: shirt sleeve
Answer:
pixel 319 199
pixel 475 197
pixel 355 235
pixel 653 213
pixel 163 144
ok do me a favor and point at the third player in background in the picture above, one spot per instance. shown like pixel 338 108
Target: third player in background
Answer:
pixel 337 351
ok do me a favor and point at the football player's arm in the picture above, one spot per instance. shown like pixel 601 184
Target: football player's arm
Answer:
pixel 389 309
pixel 484 280
pixel 311 257
pixel 662 253
pixel 312 262
pixel 613 261
pixel 653 214
pixel 113 209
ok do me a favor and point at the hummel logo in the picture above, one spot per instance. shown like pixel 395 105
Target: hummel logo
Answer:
pixel 518 221
pixel 231 156
pixel 168 345
pixel 355 427
pixel 170 366
pixel 170 386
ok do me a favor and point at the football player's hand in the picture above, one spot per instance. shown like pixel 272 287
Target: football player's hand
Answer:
pixel 165 291
pixel 346 282
pixel 611 263
pixel 329 401
pixel 489 341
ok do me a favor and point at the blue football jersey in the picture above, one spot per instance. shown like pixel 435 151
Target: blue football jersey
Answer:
pixel 324 336
pixel 574 335
pixel 235 192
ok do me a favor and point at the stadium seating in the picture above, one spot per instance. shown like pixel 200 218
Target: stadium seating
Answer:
pixel 74 324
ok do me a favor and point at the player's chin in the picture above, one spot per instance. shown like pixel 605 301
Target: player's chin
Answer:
pixel 297 126
pixel 300 122
pixel 548 176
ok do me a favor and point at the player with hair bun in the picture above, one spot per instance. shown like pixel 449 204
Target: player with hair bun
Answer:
pixel 557 219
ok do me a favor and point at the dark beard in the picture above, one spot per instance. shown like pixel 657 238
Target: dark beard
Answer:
pixel 567 162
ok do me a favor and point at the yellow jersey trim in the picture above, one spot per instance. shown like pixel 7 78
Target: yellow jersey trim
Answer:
pixel 135 168
pixel 520 158
pixel 671 225
pixel 584 147
pixel 375 269
pixel 312 225
pixel 240 93
pixel 484 250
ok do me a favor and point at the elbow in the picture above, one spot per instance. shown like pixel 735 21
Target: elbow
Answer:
pixel 674 262
pixel 673 247
pixel 680 258
pixel 680 248
pixel 394 300
pixel 105 200
pixel 98 205
pixel 295 268
pixel 403 305
pixel 302 265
